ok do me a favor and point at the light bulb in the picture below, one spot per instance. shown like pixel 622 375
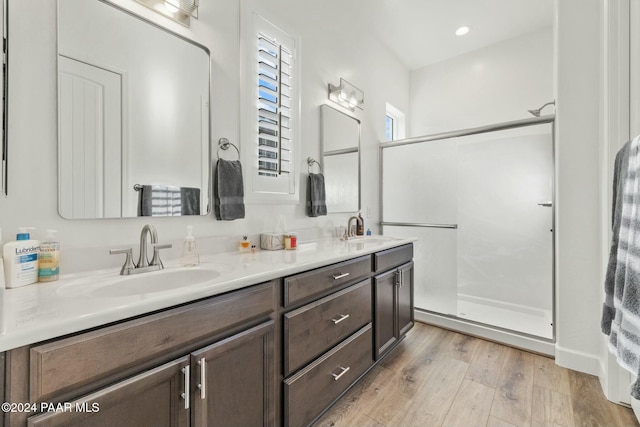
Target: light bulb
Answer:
pixel 462 31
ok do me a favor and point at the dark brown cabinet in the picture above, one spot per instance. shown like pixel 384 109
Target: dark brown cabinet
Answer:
pixel 229 383
pixel 235 380
pixel 393 307
pixel 209 363
pixel 155 398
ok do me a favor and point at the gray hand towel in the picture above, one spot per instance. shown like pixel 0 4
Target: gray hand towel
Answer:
pixel 190 197
pixel 228 190
pixel 316 195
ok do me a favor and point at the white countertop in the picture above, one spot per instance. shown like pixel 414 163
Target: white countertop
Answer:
pixel 43 311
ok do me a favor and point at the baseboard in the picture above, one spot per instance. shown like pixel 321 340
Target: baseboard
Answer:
pixel 579 361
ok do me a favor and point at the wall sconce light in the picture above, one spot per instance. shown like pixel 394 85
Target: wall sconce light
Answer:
pixel 346 95
pixel 180 11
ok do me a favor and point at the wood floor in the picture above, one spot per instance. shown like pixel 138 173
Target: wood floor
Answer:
pixel 437 377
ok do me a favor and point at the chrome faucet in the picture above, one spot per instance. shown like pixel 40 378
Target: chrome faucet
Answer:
pixel 147 230
pixel 349 235
pixel 143 261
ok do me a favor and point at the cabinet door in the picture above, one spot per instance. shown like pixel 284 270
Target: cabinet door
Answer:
pixel 393 307
pixel 235 380
pixel 155 398
pixel 405 299
pixel 385 319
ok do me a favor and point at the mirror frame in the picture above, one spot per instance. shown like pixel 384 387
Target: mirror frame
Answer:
pixel 4 152
pixel 209 190
pixel 355 149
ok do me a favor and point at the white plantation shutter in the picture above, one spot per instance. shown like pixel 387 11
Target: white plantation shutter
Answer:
pixel 274 107
pixel 273 112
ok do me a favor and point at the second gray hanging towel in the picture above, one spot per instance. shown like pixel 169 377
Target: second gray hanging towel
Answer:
pixel 228 190
pixel 316 195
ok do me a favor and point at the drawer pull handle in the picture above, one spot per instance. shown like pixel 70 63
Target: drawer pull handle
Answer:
pixel 203 378
pixel 340 276
pixel 185 395
pixel 336 377
pixel 340 319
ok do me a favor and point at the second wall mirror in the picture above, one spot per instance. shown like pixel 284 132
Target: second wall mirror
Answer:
pixel 340 140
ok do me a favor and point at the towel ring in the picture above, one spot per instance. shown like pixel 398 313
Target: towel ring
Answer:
pixel 310 162
pixel 224 144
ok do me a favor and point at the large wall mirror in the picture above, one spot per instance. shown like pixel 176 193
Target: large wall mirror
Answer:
pixel 340 136
pixel 133 116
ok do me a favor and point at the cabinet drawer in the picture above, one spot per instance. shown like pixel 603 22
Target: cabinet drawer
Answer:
pixel 314 328
pixel 313 389
pixel 392 257
pixel 313 283
pixel 62 365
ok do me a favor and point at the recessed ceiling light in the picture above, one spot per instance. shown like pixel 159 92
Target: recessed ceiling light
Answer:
pixel 462 31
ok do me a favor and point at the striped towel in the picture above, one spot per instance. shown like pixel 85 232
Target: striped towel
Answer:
pixel 621 309
pixel 159 200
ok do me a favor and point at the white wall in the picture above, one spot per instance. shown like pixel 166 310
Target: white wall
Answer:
pixel 326 56
pixel 579 272
pixel 495 84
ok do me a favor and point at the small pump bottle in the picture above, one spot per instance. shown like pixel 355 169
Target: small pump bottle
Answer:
pixel 49 258
pixel 189 256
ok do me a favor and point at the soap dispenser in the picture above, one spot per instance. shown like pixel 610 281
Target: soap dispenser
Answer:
pixel 21 260
pixel 189 256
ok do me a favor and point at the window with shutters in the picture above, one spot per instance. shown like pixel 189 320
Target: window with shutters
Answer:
pixel 271 110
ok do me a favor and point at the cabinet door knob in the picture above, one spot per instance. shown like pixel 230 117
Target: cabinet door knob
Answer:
pixel 340 319
pixel 203 378
pixel 185 395
pixel 344 370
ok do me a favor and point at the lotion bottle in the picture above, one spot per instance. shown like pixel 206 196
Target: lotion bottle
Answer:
pixel 189 256
pixel 49 258
pixel 21 260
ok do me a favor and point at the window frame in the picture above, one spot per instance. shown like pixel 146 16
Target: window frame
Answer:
pixel 264 187
pixel 398 119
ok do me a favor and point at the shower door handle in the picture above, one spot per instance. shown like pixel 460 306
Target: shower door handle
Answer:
pixel 546 204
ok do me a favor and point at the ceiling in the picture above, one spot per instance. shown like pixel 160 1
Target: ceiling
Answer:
pixel 422 32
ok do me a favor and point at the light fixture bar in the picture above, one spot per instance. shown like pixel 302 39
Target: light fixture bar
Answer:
pixel 346 95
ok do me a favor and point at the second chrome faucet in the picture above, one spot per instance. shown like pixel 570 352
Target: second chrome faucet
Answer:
pixel 143 265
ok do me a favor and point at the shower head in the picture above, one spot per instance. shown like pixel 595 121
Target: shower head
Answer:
pixel 537 112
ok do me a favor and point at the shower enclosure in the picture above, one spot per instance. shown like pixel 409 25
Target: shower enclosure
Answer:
pixel 480 202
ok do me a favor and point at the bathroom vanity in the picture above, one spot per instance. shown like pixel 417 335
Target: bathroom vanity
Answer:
pixel 280 337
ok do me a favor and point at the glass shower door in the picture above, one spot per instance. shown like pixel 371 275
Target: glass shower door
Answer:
pixel 481 207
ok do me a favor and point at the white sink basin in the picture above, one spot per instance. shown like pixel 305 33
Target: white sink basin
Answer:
pixel 143 283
